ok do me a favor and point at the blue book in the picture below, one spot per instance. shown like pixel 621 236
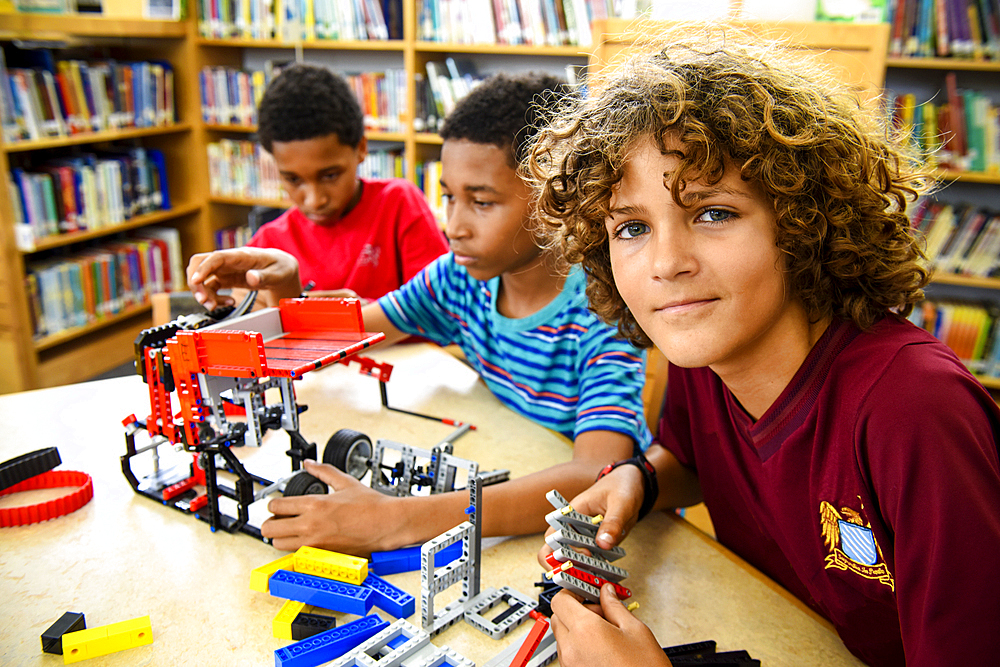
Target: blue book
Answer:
pixel 160 165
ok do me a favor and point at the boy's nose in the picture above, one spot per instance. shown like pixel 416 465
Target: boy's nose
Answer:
pixel 315 197
pixel 455 227
pixel 672 255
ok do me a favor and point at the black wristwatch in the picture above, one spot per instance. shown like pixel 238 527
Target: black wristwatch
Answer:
pixel 650 489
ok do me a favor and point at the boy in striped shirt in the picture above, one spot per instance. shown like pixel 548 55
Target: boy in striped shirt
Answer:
pixel 520 318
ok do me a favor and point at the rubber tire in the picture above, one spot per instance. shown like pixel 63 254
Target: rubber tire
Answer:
pixel 304 484
pixel 345 450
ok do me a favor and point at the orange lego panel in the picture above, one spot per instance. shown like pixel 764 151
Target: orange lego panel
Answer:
pixel 319 314
pixel 228 353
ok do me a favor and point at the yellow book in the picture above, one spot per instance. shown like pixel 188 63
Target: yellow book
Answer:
pixel 310 21
pixel 81 96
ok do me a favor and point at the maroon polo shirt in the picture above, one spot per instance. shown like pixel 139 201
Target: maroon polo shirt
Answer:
pixel 870 490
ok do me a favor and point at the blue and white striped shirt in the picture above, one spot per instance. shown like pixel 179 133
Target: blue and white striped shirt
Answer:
pixel 560 367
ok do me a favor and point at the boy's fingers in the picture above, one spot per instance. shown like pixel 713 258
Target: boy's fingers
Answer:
pixel 614 610
pixel 337 479
pixel 611 531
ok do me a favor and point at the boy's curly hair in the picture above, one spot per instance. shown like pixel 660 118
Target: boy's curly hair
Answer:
pixel 838 176
pixel 505 111
pixel 308 101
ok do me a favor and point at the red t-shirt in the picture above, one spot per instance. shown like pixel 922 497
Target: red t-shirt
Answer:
pixel 386 239
pixel 870 490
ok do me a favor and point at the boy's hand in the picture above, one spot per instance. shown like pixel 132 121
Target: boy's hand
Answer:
pixel 352 518
pixel 242 268
pixel 617 497
pixel 611 636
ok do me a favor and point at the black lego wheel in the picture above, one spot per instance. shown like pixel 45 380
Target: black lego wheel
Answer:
pixel 304 484
pixel 350 451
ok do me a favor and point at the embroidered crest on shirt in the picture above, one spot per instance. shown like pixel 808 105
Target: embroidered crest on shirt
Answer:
pixel 369 255
pixel 852 545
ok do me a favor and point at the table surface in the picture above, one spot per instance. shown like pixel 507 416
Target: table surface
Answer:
pixel 123 555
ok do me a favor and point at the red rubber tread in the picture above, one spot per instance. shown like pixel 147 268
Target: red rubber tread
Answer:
pixel 53 479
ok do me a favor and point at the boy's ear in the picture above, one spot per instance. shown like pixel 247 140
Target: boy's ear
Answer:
pixel 362 149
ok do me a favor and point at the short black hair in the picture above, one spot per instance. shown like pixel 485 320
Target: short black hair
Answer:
pixel 308 101
pixel 505 111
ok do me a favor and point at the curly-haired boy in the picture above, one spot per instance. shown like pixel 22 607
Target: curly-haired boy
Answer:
pixel 357 236
pixel 746 215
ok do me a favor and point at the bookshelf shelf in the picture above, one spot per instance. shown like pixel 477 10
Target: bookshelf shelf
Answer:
pixel 137 222
pixel 504 49
pixel 54 340
pixel 243 129
pixel 250 129
pixel 241 201
pixel 322 44
pixel 429 139
pixel 988 382
pixel 969 177
pixel 95 137
pixel 944 64
pixel 965 281
pixel 37 26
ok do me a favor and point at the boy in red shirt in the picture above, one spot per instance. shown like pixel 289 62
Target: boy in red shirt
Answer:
pixel 748 218
pixel 351 236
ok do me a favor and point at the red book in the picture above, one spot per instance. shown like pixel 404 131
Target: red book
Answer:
pixel 956 117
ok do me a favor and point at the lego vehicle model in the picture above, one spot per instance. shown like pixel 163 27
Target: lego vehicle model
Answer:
pixel 220 364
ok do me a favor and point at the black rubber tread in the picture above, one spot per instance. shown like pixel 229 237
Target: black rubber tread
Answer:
pixel 26 466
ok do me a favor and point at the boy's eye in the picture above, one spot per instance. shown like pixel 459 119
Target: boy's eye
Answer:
pixel 331 176
pixel 481 204
pixel 631 230
pixel 714 215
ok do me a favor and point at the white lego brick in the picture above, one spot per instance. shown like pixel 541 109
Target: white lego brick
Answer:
pixel 598 566
pixel 566 536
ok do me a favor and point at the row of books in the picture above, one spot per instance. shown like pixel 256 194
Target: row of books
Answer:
pixel 528 22
pixel 99 281
pixel 65 97
pixel 87 191
pixel 961 133
pixel 439 89
pixel 243 169
pixel 301 20
pixel 942 28
pixel 971 330
pixel 961 239
pixel 429 180
pixel 232 237
pixel 231 96
pixel 383 164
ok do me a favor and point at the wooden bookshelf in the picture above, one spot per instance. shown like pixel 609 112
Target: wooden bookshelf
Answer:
pixel 76 354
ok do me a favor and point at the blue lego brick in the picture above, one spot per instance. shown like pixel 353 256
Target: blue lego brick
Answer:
pixel 320 592
pixel 329 645
pixel 407 559
pixel 389 598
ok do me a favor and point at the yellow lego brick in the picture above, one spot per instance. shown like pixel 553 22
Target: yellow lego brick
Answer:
pixel 331 565
pixel 260 575
pixel 105 639
pixel 281 626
